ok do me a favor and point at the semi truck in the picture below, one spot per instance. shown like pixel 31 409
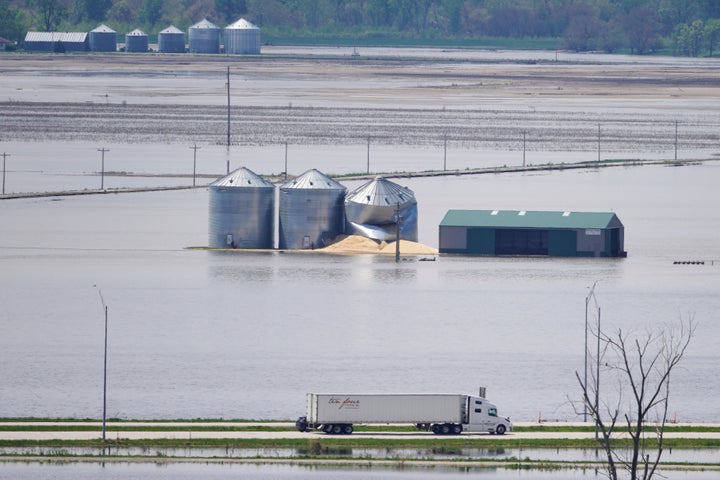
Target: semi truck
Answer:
pixel 443 414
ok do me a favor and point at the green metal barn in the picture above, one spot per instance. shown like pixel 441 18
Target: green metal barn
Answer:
pixel 514 232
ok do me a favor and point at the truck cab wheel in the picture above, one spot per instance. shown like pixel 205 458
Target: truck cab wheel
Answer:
pixel 445 428
pixel 457 429
pixel 500 429
pixel 436 429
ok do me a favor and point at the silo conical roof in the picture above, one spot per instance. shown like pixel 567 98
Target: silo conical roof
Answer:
pixel 137 33
pixel 172 29
pixel 381 191
pixel 242 24
pixel 205 23
pixel 313 179
pixel 102 28
pixel 242 178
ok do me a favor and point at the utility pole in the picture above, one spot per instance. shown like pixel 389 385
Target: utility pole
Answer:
pixel 445 154
pixel 676 139
pixel 524 134
pixel 398 219
pixel 368 155
pixel 598 143
pixel 102 167
pixel 228 120
pixel 4 155
pixel 285 172
pixel 195 148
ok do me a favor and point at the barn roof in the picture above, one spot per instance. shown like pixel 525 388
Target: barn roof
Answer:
pixel 530 219
pixel 65 37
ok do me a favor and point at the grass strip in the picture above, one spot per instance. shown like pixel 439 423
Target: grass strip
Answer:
pixel 330 444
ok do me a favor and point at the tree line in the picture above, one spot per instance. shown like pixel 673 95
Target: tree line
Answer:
pixel 682 27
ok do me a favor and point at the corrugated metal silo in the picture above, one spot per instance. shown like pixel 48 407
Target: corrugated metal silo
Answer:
pixel 371 209
pixel 171 40
pixel 103 39
pixel 311 211
pixel 241 211
pixel 204 37
pixel 136 41
pixel 242 37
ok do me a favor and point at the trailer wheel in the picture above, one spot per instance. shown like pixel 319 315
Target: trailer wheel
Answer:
pixel 457 429
pixel 337 429
pixel 327 428
pixel 348 429
pixel 500 429
pixel 445 428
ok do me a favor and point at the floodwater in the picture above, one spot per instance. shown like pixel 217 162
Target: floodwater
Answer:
pixel 245 335
pixel 706 456
pixel 195 333
pixel 175 471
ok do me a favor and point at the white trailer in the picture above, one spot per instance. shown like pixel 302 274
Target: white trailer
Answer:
pixel 442 413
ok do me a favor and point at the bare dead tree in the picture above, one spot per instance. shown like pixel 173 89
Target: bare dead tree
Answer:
pixel 641 366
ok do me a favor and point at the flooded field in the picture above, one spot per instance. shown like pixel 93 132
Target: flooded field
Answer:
pixel 386 111
pixel 245 335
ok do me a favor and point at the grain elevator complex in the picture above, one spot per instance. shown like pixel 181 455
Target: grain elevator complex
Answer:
pixel 313 211
pixel 239 38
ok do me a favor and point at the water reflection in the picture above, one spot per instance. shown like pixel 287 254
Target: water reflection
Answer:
pixel 211 470
pixel 317 449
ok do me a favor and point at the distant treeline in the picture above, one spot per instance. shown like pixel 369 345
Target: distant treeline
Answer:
pixel 680 27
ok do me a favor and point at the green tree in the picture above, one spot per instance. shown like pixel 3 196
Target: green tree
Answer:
pixel 151 12
pixel 642 29
pixel 712 33
pixel 94 10
pixel 51 12
pixel 230 10
pixel 13 22
pixel 453 11
pixel 121 12
pixel 585 30
pixel 688 39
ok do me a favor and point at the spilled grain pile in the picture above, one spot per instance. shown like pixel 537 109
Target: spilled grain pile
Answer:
pixel 355 244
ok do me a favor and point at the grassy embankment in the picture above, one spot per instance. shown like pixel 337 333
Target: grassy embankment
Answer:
pixel 318 443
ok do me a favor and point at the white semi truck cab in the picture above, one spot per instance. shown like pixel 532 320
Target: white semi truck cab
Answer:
pixel 441 413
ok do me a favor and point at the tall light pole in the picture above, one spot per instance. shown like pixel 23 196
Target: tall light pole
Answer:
pixel 591 295
pixel 104 415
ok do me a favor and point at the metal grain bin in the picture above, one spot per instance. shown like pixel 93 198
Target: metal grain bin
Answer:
pixel 171 40
pixel 311 211
pixel 242 37
pixel 136 41
pixel 241 211
pixel 204 37
pixel 371 209
pixel 103 39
